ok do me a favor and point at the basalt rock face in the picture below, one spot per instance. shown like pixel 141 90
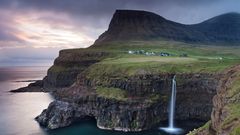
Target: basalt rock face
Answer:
pixel 138 112
pixel 188 86
pixel 135 25
pixel 68 65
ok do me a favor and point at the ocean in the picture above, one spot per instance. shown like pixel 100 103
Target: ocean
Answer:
pixel 18 110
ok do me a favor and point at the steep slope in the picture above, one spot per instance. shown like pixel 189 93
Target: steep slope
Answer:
pixel 225 118
pixel 135 25
pixel 142 25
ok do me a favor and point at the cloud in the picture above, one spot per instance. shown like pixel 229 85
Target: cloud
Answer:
pixel 97 9
pixel 6 28
pixel 28 25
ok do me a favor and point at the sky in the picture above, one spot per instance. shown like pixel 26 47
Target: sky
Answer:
pixel 33 31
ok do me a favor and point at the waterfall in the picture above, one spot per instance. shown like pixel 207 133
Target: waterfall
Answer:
pixel 172 103
pixel 171 128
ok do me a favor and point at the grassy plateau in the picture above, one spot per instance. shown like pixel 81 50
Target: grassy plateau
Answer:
pixel 198 59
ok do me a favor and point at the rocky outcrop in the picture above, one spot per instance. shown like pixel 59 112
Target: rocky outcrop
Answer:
pixel 58 114
pixel 133 25
pixel 226 103
pixel 110 114
pixel 139 111
pixel 225 117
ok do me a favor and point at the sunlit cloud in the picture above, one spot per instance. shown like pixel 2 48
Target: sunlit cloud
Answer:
pixel 31 36
pixel 40 33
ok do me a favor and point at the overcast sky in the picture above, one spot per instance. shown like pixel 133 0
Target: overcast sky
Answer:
pixel 33 31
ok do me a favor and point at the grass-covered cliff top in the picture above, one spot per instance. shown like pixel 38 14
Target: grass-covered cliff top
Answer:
pixel 137 58
pixel 121 59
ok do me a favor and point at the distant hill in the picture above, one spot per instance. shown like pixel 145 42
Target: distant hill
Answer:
pixel 128 25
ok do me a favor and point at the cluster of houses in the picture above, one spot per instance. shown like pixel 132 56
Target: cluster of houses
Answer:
pixel 143 52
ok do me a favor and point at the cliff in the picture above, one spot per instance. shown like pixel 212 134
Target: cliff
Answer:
pixel 133 25
pixel 131 104
pixel 225 117
pixel 69 64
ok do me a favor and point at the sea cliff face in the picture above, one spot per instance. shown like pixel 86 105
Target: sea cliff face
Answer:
pixel 143 107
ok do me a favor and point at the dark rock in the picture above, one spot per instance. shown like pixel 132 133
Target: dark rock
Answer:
pixel 110 114
pixel 58 114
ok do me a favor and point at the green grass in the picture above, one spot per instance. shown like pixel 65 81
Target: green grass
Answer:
pixel 201 59
pixel 143 59
pixel 124 67
pixel 112 93
pixel 120 94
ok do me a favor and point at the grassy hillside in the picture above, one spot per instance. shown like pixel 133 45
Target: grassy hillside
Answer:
pixel 184 58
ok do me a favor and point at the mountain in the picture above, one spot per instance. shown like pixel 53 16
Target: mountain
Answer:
pixel 223 28
pixel 142 25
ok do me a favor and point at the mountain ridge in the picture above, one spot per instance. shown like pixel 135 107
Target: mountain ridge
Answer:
pixel 128 25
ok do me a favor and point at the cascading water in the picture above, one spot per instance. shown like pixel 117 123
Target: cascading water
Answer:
pixel 171 128
pixel 172 103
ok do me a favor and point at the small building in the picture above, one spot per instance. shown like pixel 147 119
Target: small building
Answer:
pixel 130 52
pixel 164 54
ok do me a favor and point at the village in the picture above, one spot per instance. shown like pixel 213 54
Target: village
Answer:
pixel 164 54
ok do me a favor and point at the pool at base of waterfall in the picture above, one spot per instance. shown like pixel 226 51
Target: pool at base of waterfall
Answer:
pixel 172 130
